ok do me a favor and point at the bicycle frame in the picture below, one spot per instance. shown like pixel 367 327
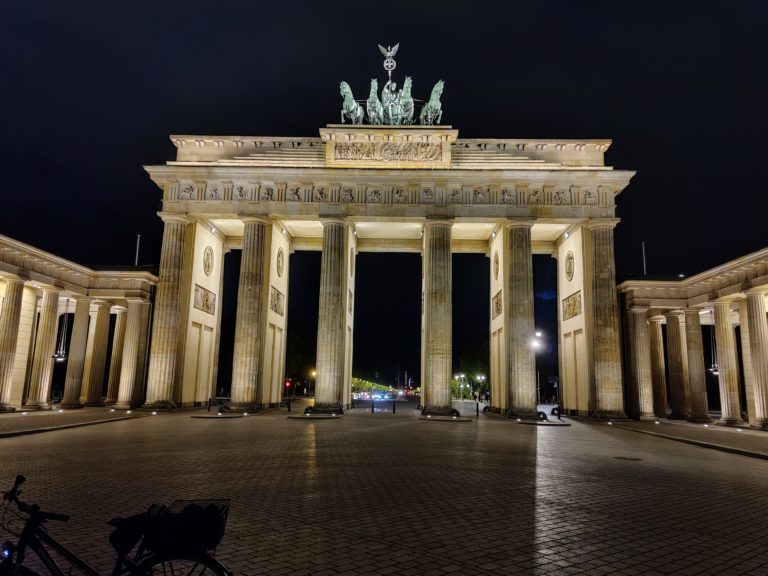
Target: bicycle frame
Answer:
pixel 36 539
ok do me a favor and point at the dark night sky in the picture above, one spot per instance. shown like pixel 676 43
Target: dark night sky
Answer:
pixel 90 91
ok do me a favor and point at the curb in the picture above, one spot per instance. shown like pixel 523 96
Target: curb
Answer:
pixel 739 451
pixel 61 427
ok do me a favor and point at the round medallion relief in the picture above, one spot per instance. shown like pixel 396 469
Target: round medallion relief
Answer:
pixel 496 265
pixel 569 265
pixel 208 260
pixel 280 262
pixel 351 262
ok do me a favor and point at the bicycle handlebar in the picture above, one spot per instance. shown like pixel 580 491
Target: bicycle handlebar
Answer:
pixel 33 510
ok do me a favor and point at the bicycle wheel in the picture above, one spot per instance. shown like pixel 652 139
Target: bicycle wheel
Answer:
pixel 182 564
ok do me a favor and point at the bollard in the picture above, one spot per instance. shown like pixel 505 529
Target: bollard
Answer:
pixel 372 405
pixel 393 406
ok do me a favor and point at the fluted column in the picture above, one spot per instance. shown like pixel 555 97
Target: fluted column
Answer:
pixel 606 338
pixel 521 328
pixel 165 329
pixel 727 366
pixel 746 360
pixel 330 325
pixel 641 364
pixel 697 377
pixel 438 319
pixel 249 327
pixel 658 370
pixel 118 338
pixel 76 358
pixel 9 334
pixel 758 347
pixel 96 357
pixel 127 393
pixel 45 347
pixel 678 365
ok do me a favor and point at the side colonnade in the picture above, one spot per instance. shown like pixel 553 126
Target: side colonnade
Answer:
pixel 667 373
pixel 38 289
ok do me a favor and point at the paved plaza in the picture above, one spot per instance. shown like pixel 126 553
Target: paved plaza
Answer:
pixel 392 494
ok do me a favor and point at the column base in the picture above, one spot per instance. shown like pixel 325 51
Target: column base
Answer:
pixel 646 418
pixel 733 421
pixel 159 405
pixel 609 415
pixel 325 408
pixel 240 407
pixel 701 419
pixel 70 405
pixel 448 411
pixel 518 414
pixel 38 406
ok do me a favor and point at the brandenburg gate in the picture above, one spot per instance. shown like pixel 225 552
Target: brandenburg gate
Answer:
pixel 394 188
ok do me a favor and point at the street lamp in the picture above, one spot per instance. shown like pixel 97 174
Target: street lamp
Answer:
pixel 537 345
pixel 312 389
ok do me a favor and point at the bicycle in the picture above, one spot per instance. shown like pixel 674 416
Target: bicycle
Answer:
pixel 178 540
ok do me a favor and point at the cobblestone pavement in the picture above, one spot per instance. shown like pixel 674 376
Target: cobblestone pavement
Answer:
pixel 388 493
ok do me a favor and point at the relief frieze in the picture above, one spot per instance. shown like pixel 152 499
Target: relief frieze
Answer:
pixel 572 306
pixel 388 151
pixel 205 300
pixel 276 301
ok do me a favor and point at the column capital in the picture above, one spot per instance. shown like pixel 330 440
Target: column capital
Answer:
pixel 259 219
pixel 519 223
pixel 601 223
pixel 756 290
pixel 170 217
pixel 674 314
pixel 334 220
pixel 438 221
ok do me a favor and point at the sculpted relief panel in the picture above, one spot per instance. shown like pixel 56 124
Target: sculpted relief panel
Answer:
pixel 388 151
pixel 522 194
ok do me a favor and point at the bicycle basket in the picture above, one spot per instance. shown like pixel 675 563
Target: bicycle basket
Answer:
pixel 186 525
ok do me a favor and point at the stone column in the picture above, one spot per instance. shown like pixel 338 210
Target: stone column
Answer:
pixel 165 329
pixel 76 359
pixel 758 348
pixel 251 308
pixel 746 358
pixel 9 333
pixel 641 363
pixel 678 365
pixel 96 361
pixel 126 393
pixel 330 326
pixel 697 377
pixel 727 366
pixel 658 370
pixel 45 347
pixel 438 320
pixel 117 357
pixel 521 329
pixel 606 338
